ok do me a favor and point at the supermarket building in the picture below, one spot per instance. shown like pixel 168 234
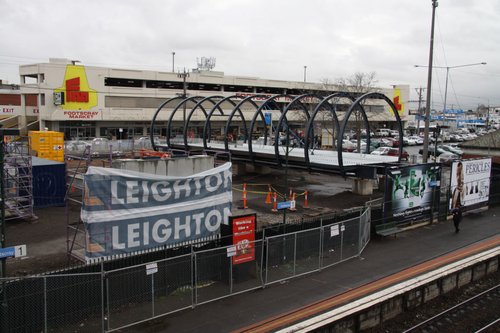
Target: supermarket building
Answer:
pixel 86 101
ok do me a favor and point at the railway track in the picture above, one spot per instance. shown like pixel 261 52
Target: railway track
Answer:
pixel 480 313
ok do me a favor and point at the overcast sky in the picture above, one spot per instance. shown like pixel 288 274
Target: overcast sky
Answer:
pixel 268 39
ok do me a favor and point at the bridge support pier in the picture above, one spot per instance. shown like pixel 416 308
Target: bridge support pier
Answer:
pixel 362 186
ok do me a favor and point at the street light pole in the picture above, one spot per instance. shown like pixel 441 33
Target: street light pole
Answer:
pixel 173 62
pixel 447 76
pixel 429 82
pixel 305 72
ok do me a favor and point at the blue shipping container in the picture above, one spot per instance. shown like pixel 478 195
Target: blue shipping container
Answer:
pixel 49 183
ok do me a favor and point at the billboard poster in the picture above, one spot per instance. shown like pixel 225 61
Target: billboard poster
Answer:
pixel 469 183
pixel 126 211
pixel 244 238
pixel 409 191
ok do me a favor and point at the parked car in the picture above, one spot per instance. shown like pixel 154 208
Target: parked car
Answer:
pixel 418 140
pixel 452 149
pixel 381 151
pixel 431 151
pixel 395 152
pixel 447 157
pixel 348 145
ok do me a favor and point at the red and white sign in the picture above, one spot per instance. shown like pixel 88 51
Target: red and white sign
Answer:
pixel 243 238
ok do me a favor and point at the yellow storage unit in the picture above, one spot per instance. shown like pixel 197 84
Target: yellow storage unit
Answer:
pixel 47 144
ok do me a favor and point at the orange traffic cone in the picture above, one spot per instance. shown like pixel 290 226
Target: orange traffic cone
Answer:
pixel 268 197
pixel 306 201
pixel 290 194
pixel 275 204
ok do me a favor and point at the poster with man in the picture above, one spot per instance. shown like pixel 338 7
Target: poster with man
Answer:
pixel 469 183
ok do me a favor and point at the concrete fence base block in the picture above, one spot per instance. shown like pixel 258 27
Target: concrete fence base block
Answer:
pixel 431 291
pixel 492 266
pixel 370 318
pixel 464 277
pixel 478 271
pixel 392 308
pixel 448 283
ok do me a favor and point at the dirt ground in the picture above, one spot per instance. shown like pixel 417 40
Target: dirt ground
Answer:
pixel 47 238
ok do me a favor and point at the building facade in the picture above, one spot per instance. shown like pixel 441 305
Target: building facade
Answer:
pixel 86 102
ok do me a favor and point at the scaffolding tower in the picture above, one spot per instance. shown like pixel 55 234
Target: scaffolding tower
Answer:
pixel 18 178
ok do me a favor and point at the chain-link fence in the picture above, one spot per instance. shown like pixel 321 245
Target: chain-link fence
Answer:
pixel 114 299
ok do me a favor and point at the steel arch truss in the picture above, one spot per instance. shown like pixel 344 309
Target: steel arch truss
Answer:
pixel 211 105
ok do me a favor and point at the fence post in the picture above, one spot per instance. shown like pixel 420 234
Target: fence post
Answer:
pixel 294 253
pixel 360 227
pixel 267 260
pixel 231 275
pixel 341 240
pixel 193 278
pixel 45 304
pixel 103 315
pixel 321 236
pixel 262 250
pixel 107 303
pixel 153 295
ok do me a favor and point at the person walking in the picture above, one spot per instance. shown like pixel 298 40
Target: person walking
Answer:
pixel 457 217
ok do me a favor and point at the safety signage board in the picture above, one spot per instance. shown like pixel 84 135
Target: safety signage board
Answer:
pixel 13 251
pixel 286 204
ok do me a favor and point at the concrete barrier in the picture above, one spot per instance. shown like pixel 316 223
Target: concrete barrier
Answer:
pixel 175 167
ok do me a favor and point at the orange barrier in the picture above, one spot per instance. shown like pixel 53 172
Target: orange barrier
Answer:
pixel 152 153
pixel 268 197
pixel 275 204
pixel 306 201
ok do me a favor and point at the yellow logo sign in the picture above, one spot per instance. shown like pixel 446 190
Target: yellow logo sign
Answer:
pixel 398 102
pixel 77 93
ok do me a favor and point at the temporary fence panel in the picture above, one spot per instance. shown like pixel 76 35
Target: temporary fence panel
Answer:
pixel 350 238
pixel 331 245
pixel 280 263
pixel 53 303
pixel 307 251
pixel 147 291
pixel 219 274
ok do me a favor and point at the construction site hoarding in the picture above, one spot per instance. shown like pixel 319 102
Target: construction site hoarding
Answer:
pixel 128 211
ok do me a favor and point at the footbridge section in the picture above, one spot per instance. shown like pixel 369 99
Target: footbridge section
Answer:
pixel 293 138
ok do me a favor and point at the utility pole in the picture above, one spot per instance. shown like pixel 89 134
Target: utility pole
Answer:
pixel 419 91
pixel 429 83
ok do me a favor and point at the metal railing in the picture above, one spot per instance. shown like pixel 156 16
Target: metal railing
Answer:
pixel 114 299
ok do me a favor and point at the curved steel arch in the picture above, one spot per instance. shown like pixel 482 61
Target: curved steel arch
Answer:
pixel 188 118
pixel 357 103
pixel 169 125
pixel 254 119
pixel 283 117
pixel 154 120
pixel 231 115
pixel 316 111
pixel 209 116
pixel 310 124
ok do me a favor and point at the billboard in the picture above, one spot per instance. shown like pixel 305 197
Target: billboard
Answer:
pixel 244 238
pixel 127 211
pixel 409 191
pixel 469 183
